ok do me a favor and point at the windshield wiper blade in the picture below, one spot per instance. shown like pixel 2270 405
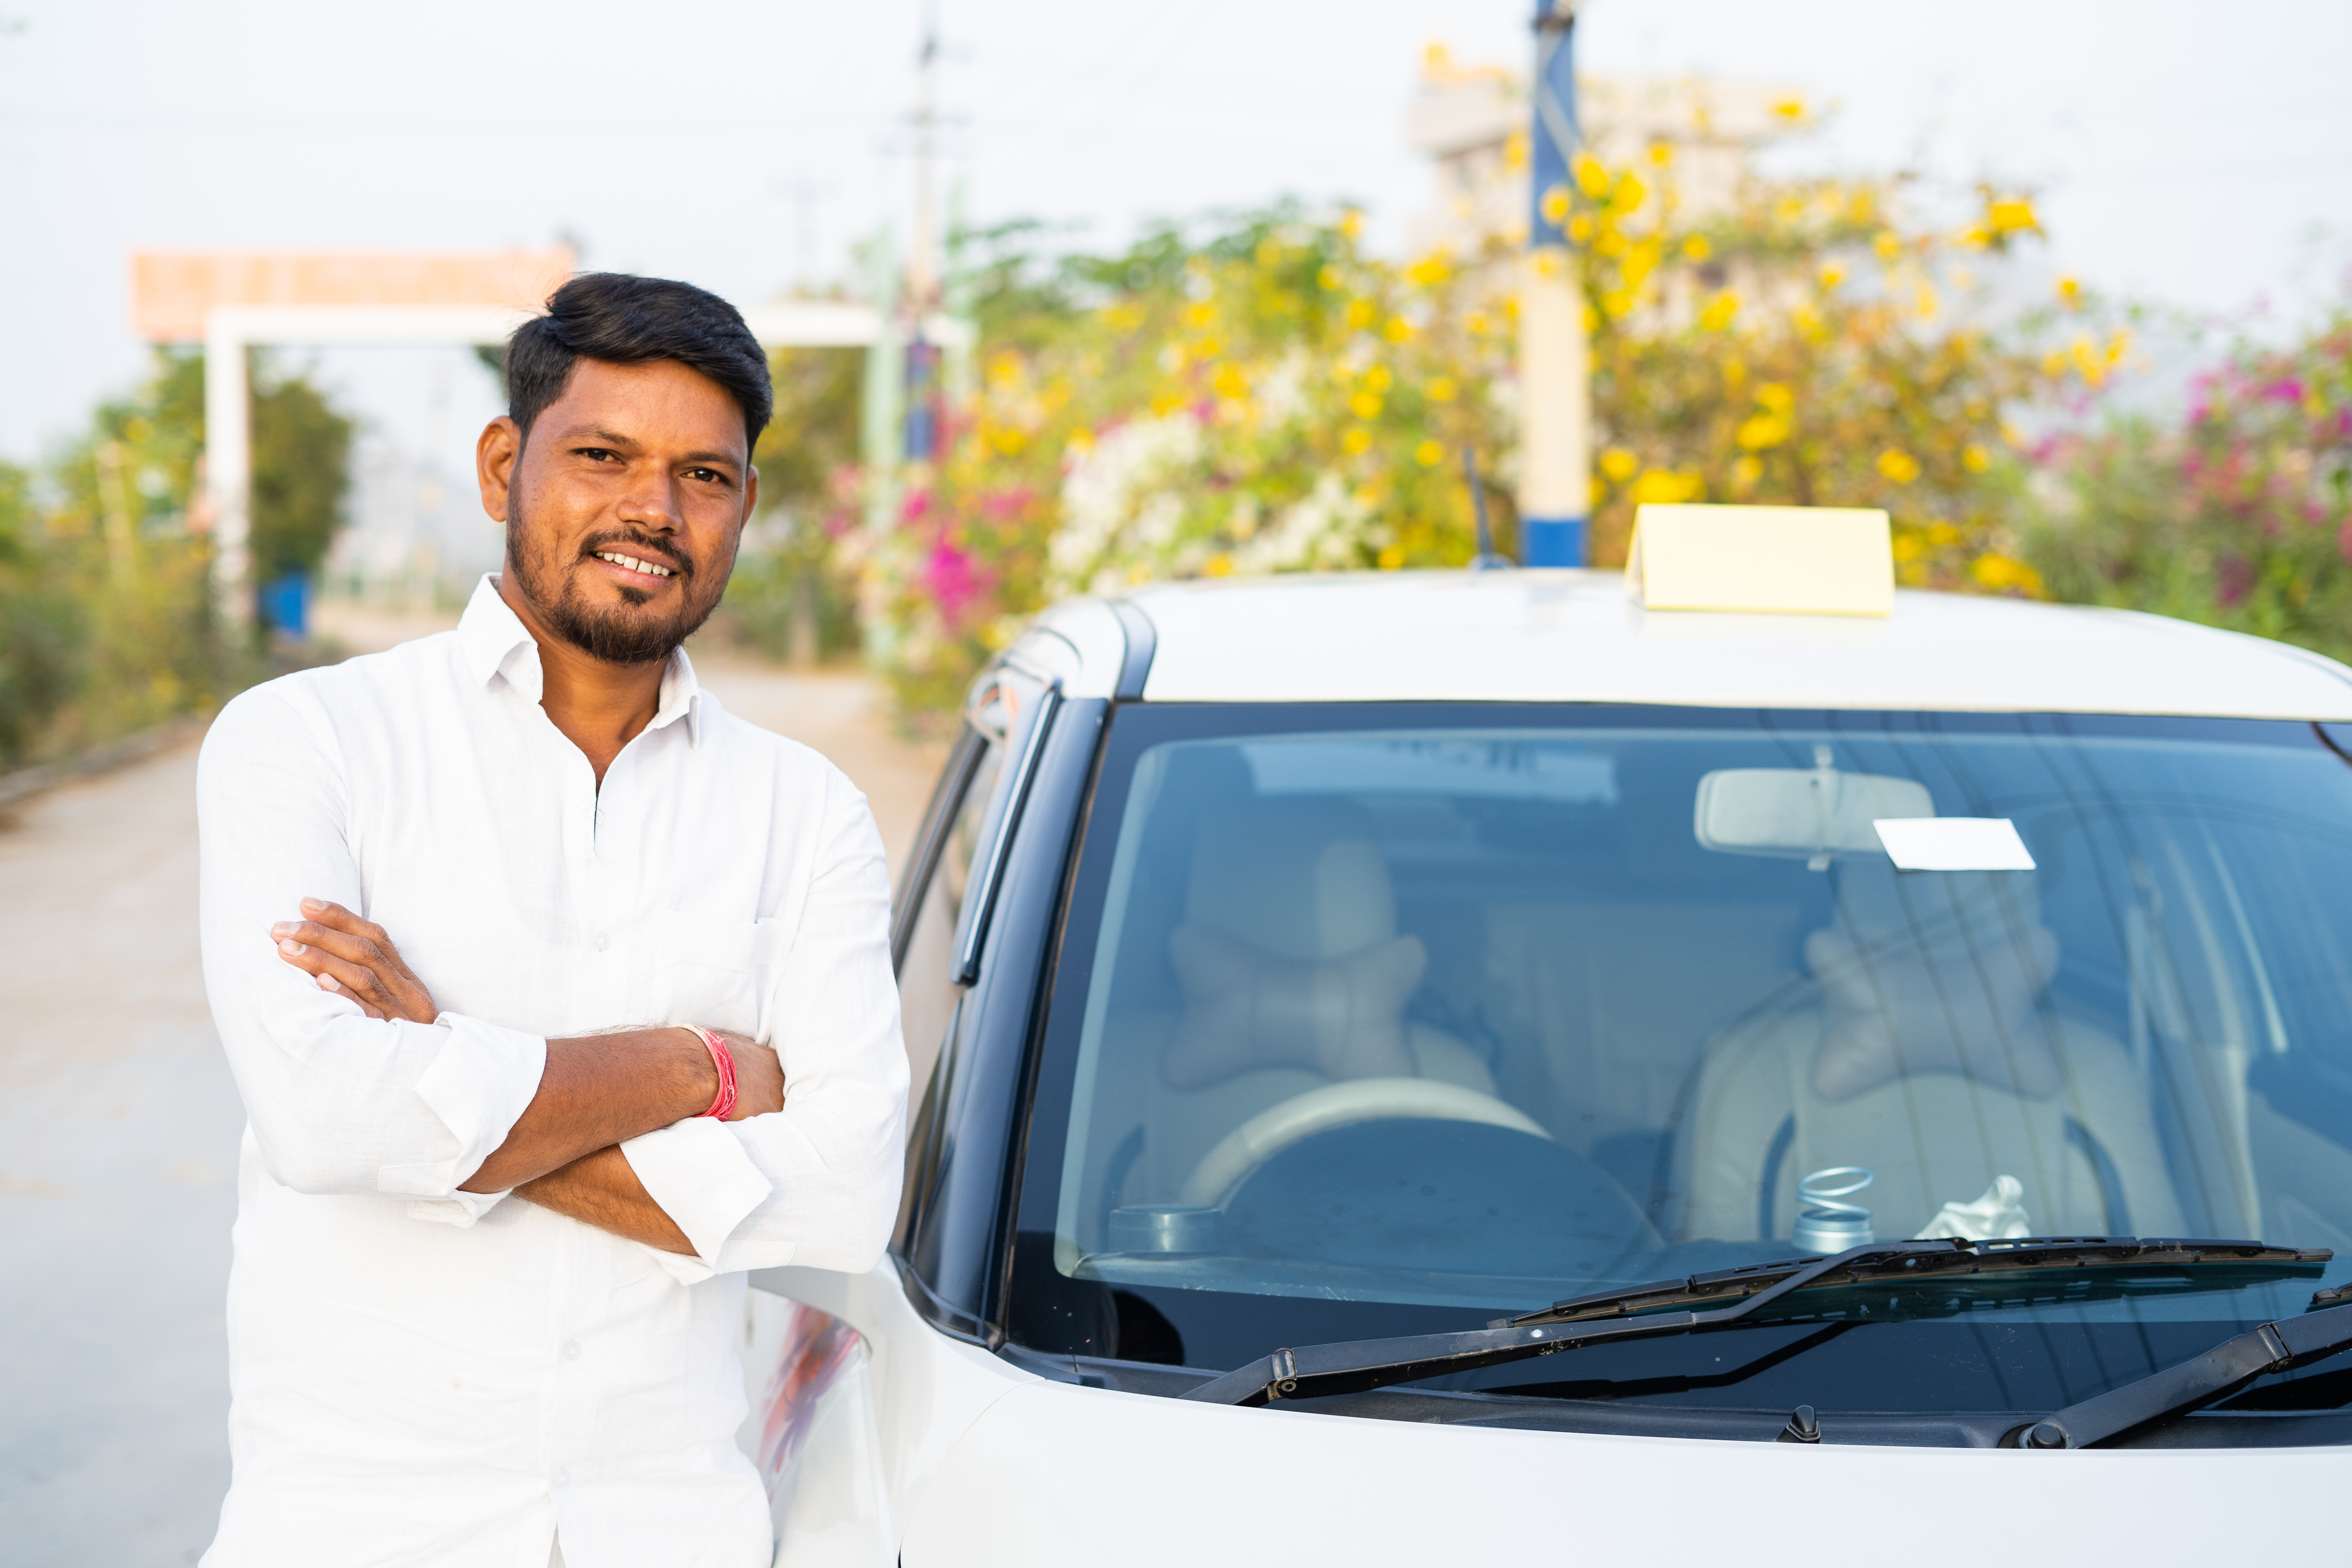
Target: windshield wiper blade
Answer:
pixel 2279 1346
pixel 1921 1260
pixel 1312 1372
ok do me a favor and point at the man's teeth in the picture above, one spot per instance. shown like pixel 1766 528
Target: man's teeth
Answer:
pixel 633 563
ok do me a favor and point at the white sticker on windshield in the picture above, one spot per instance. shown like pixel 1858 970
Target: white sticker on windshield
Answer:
pixel 1953 843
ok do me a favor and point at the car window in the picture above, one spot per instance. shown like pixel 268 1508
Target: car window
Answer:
pixel 1467 1017
pixel 926 991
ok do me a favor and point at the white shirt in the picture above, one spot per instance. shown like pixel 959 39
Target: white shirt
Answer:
pixel 421 1375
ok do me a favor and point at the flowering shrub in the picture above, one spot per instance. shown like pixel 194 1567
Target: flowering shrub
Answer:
pixel 2240 517
pixel 1273 399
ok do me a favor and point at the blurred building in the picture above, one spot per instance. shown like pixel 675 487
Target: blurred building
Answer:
pixel 1472 120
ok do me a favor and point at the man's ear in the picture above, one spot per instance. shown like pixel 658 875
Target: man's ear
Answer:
pixel 495 457
pixel 750 493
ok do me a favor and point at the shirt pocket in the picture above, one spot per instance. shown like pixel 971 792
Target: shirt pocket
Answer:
pixel 713 971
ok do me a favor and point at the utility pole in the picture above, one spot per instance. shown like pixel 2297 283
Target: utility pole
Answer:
pixel 922 272
pixel 1555 375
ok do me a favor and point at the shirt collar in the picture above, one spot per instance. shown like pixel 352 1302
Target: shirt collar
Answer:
pixel 493 641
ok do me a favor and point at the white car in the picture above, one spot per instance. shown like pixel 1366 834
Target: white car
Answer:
pixel 1421 1068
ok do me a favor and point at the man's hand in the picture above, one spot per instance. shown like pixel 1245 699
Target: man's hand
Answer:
pixel 355 958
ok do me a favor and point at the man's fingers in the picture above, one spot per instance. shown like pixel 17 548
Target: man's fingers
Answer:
pixel 357 980
pixel 327 983
pixel 342 919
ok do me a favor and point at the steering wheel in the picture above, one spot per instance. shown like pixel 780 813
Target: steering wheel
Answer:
pixel 1240 1153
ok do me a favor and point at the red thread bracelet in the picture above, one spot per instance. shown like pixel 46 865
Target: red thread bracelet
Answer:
pixel 723 1060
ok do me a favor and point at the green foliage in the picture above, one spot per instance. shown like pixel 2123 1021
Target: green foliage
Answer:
pixel 794 594
pixel 106 617
pixel 301 472
pixel 2242 517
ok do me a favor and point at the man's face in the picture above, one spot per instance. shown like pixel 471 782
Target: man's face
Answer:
pixel 623 508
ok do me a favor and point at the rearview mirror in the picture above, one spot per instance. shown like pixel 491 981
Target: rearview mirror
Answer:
pixel 1802 813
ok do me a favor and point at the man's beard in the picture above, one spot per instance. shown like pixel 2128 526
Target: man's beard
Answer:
pixel 610 634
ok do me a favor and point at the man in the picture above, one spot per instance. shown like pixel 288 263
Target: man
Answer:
pixel 467 907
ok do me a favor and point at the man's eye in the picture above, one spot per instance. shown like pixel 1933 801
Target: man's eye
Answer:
pixel 708 476
pixel 594 454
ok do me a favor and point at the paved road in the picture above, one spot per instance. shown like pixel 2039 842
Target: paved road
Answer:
pixel 119 1127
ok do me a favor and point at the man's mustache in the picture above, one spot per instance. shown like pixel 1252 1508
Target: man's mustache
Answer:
pixel 640 545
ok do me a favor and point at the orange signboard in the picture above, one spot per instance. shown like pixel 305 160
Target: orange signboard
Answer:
pixel 170 290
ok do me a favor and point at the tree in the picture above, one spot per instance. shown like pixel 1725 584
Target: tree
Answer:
pixel 301 472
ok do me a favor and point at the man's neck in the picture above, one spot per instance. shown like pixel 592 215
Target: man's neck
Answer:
pixel 598 705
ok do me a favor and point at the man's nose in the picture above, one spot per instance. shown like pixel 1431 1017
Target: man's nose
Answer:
pixel 651 502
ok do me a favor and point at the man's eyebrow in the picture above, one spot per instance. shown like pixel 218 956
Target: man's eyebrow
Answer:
pixel 598 433
pixel 729 458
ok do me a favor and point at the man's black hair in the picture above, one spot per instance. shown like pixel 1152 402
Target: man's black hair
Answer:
pixel 626 319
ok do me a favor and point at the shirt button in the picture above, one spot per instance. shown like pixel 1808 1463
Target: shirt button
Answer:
pixel 600 940
pixel 572 1350
pixel 562 1478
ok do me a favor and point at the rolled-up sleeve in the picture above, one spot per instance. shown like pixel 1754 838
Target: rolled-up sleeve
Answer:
pixel 816 1183
pixel 338 1102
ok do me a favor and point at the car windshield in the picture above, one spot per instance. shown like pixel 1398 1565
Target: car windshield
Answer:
pixel 1378 1020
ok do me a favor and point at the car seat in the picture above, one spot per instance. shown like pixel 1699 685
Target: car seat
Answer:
pixel 1925 1048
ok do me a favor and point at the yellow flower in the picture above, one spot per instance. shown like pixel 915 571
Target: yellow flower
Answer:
pixel 1776 396
pixel 1081 442
pixel 1365 406
pixel 1697 247
pixel 1832 274
pixel 1199 314
pixel 1791 109
pixel 1975 459
pixel 1617 302
pixel 1430 270
pixel 1357 439
pixel 1380 378
pixel 1218 566
pixel 2069 292
pixel 1888 244
pixel 1619 464
pixel 1591 175
pixel 1515 151
pixel 1662 154
pixel 1907 545
pixel 1747 471
pixel 1719 312
pixel 1611 243
pixel 1229 380
pixel 1328 277
pixel 1360 314
pixel 1927 302
pixel 1351 224
pixel 1762 430
pixel 1429 454
pixel 2010 214
pixel 1397 329
pixel 1630 193
pixel 1555 205
pixel 1441 389
pixel 1168 403
pixel 1942 534
pixel 1659 488
pixel 1580 229
pixel 1898 465
pixel 1391 558
pixel 1476 323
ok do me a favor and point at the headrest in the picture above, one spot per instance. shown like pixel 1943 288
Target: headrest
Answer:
pixel 1293 879
pixel 1933 972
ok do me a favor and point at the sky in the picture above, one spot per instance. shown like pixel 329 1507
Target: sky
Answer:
pixel 2196 157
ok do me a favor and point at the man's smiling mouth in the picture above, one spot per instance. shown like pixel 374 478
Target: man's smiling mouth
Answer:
pixel 631 564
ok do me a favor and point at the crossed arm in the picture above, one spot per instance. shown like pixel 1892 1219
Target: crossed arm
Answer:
pixel 597 1091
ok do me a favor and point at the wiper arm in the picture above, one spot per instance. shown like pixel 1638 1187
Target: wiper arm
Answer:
pixel 1315 1371
pixel 2221 1371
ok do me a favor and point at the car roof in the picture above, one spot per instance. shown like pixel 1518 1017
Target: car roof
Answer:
pixel 1577 636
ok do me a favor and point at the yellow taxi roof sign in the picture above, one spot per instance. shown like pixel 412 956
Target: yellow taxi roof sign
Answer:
pixel 1772 560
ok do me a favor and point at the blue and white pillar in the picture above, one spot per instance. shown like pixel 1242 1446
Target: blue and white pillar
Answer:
pixel 1555 392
